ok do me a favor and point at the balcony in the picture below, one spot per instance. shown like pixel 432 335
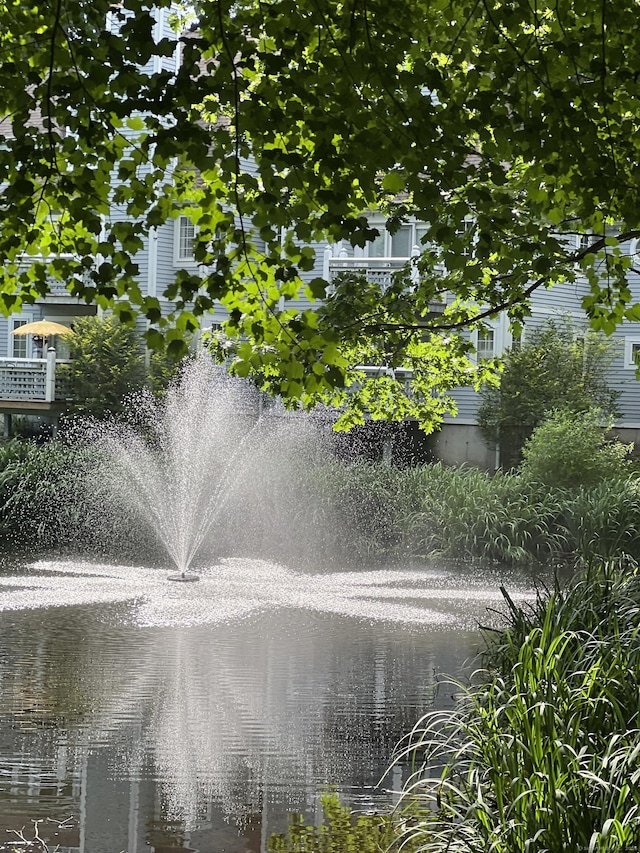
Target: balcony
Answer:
pixel 30 385
pixel 57 289
pixel 378 271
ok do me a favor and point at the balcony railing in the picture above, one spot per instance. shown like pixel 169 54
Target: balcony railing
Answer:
pixel 29 380
pixel 57 289
pixel 379 271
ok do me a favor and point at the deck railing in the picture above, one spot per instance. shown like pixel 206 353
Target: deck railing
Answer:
pixel 377 270
pixel 56 288
pixel 29 380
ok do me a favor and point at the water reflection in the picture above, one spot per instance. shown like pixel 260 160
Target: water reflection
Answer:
pixel 197 716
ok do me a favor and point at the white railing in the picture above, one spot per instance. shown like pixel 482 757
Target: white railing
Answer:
pixel 379 271
pixel 29 380
pixel 56 287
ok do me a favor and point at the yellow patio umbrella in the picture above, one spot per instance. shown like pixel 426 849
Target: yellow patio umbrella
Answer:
pixel 44 328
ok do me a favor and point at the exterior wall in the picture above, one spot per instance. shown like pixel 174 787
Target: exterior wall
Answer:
pixel 462 444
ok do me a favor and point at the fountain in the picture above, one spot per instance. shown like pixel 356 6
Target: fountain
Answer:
pixel 174 461
pixel 138 704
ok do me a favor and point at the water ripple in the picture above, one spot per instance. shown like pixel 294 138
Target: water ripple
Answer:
pixel 236 588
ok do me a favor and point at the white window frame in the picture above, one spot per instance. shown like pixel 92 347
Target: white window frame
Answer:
pixel 466 226
pixel 583 241
pixel 180 256
pixel 19 342
pixel 477 356
pixel 490 352
pixel 631 347
pixel 512 343
pixel 415 238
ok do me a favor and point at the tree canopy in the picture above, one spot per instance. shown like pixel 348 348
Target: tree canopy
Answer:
pixel 508 127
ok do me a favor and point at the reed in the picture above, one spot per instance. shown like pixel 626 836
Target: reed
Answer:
pixel 466 512
pixel 602 521
pixel 542 752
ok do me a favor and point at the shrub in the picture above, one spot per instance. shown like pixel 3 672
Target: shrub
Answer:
pixel 50 499
pixel 343 832
pixel 557 361
pixel 570 449
pixel 107 363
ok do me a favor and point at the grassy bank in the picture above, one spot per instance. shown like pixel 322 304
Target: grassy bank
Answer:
pixel 366 510
pixel 542 753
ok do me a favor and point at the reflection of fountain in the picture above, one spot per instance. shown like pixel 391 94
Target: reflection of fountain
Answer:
pixel 175 467
pixel 233 700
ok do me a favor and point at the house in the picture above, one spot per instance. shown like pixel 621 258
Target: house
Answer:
pixel 460 439
pixel 171 247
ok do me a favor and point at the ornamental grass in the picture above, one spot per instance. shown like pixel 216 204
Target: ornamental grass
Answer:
pixel 542 752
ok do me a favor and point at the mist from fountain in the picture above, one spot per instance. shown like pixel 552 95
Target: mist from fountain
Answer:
pixel 174 462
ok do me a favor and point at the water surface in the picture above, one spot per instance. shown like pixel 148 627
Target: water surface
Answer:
pixel 138 714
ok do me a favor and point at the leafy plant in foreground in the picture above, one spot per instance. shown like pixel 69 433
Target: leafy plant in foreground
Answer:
pixel 542 752
pixel 342 832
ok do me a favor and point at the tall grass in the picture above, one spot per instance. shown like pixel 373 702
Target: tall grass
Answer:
pixel 466 512
pixel 50 499
pixel 603 521
pixel 543 752
pixel 323 510
pixel 357 511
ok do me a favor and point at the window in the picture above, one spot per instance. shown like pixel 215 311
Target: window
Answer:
pixel 583 241
pixel 485 345
pixel 632 353
pixel 400 244
pixel 19 342
pixel 516 341
pixel 184 239
pixel 463 233
pixel 377 247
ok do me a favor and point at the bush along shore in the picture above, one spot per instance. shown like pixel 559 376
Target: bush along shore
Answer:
pixel 50 498
pixel 541 753
pixel 575 496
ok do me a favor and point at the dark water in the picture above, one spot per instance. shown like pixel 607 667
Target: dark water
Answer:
pixel 138 714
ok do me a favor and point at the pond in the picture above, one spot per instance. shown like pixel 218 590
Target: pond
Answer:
pixel 138 714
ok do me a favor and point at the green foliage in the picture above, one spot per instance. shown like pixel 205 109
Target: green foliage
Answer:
pixel 571 449
pixel 353 513
pixel 548 113
pixel 106 365
pixel 343 832
pixel 466 512
pixel 41 491
pixel 541 754
pixel 358 511
pixel 50 499
pixel 602 521
pixel 556 362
